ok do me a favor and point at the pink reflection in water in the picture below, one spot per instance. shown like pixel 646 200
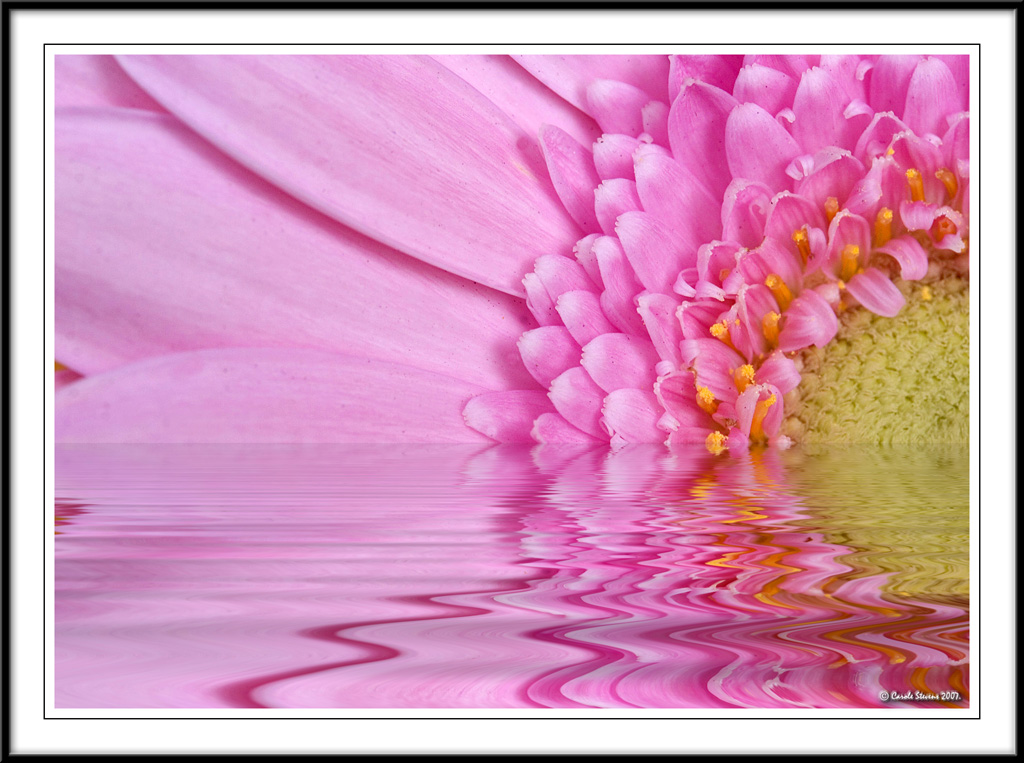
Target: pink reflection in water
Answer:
pixel 384 576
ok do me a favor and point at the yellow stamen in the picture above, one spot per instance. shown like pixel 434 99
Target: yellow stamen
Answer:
pixel 715 442
pixel 916 185
pixel 757 424
pixel 800 237
pixel 890 151
pixel 721 331
pixel 58 366
pixel 723 274
pixel 850 262
pixel 744 377
pixel 779 290
pixel 883 226
pixel 770 328
pixel 926 293
pixel 949 180
pixel 831 207
pixel 706 400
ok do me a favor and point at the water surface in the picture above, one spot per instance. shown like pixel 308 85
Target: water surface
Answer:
pixel 509 577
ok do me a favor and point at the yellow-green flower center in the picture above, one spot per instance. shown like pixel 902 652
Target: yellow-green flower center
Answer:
pixel 890 380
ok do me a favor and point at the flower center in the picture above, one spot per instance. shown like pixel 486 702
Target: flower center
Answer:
pixel 890 380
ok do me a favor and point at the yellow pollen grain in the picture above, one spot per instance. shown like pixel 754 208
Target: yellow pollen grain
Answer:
pixel 890 151
pixel 883 226
pixel 744 377
pixel 715 442
pixel 916 184
pixel 706 400
pixel 926 293
pixel 949 180
pixel 779 290
pixel 770 327
pixel 58 366
pixel 831 207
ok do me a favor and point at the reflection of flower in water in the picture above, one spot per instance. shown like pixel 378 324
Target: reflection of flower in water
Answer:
pixel 716 589
pixel 361 272
pixel 422 576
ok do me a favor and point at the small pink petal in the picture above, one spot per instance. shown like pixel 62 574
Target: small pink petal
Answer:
pixel 561 274
pixel 583 251
pixel 552 428
pixel 917 215
pixel 931 96
pixel 847 229
pixel 614 198
pixel 265 395
pixel 744 212
pixel 793 65
pixel 758 148
pixel 696 128
pixel 540 303
pixel 615 361
pixel 719 71
pixel 618 299
pixel 631 415
pixel 780 371
pixel 507 416
pixel 582 314
pixel 876 292
pixel 890 78
pixel 658 312
pixel 746 407
pixel 578 400
pixel 835 174
pixel 655 121
pixel 677 392
pixel 878 135
pixel 572 172
pixel 677 199
pixel 616 106
pixel 819 105
pixel 769 88
pixel 547 352
pixel 655 254
pixel 613 156
pixel 911 256
pixel 715 364
pixel 809 320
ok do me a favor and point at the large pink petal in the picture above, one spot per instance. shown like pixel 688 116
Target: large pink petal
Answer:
pixel 265 395
pixel 578 399
pixel 673 195
pixel 96 81
pixel 397 147
pixel 617 107
pixel 521 95
pixel 569 76
pixel 163 245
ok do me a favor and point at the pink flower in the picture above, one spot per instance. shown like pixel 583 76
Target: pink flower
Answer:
pixel 616 248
